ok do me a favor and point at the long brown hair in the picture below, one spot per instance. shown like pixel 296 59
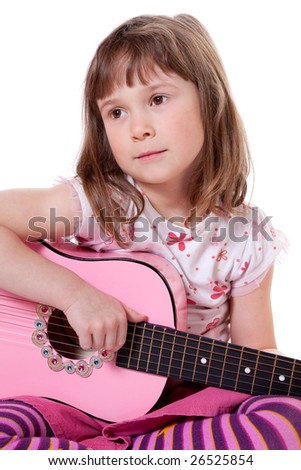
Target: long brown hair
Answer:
pixel 179 45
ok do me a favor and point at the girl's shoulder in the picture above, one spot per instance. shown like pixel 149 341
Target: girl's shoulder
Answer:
pixel 251 242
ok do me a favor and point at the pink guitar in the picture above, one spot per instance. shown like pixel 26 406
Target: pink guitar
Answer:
pixel 40 356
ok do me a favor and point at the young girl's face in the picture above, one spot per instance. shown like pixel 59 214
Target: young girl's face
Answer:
pixel 155 130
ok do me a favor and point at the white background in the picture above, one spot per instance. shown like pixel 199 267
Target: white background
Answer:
pixel 45 49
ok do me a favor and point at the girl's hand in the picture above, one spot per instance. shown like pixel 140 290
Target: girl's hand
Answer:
pixel 100 320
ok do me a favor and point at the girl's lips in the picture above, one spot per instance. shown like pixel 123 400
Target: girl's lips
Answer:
pixel 150 154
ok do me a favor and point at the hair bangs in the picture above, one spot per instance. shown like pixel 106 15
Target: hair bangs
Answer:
pixel 122 62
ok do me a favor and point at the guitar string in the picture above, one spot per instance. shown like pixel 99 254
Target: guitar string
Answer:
pixel 212 375
pixel 202 339
pixel 151 329
pixel 225 379
pixel 217 376
pixel 144 328
pixel 170 333
pixel 246 360
pixel 244 364
pixel 66 327
pixel 57 343
pixel 226 346
pixel 151 362
pixel 54 341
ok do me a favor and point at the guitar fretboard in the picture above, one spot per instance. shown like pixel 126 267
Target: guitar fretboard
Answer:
pixel 171 353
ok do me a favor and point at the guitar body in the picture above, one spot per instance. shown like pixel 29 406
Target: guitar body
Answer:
pixel 39 354
pixel 33 359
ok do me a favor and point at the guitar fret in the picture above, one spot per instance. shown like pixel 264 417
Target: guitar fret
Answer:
pixel 222 372
pixel 292 375
pixel 255 372
pixel 161 350
pixel 150 348
pixel 238 370
pixel 273 373
pixel 283 376
pixel 296 384
pixel 183 357
pixel 131 347
pixel 140 350
pixel 223 366
pixel 196 360
pixel 246 373
pixel 152 339
pixel 210 359
pixel 176 343
pixel 171 355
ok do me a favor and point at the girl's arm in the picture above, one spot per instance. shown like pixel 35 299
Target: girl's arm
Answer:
pixel 251 317
pixel 99 320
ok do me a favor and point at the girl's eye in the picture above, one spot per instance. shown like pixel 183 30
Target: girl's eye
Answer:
pixel 158 99
pixel 117 113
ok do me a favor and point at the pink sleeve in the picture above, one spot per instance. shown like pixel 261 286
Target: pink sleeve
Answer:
pixel 87 231
pixel 76 204
pixel 248 288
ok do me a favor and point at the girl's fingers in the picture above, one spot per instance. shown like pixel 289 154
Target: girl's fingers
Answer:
pixel 134 316
pixel 98 342
pixel 112 339
pixel 85 341
pixel 109 333
pixel 109 343
pixel 121 337
pixel 116 337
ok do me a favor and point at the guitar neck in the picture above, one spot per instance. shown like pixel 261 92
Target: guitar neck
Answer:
pixel 171 353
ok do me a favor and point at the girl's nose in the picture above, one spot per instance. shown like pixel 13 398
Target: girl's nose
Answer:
pixel 141 128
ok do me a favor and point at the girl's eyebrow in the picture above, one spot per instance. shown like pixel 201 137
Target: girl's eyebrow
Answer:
pixel 105 103
pixel 149 88
pixel 155 85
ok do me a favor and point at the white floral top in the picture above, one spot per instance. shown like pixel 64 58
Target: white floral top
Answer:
pixel 221 257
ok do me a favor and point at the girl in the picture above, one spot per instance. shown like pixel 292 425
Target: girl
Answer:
pixel 165 150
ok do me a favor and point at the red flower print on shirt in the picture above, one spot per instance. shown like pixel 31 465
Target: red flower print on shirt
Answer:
pixel 222 255
pixel 211 326
pixel 173 238
pixel 219 290
pixel 245 266
pixel 191 302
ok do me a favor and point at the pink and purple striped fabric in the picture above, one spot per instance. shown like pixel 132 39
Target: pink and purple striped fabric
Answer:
pixel 258 423
pixel 22 427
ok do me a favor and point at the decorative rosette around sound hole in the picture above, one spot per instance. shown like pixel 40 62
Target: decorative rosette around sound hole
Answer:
pixel 58 340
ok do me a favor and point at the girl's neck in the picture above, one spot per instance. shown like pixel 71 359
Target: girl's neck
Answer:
pixel 168 202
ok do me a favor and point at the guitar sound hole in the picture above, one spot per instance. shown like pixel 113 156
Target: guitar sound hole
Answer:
pixel 63 338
